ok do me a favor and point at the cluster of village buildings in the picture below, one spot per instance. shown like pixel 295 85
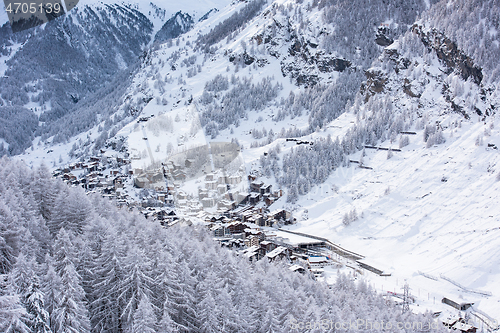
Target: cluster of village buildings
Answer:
pixel 236 218
pixel 112 177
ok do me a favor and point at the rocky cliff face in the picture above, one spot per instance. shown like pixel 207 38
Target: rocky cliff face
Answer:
pixel 448 52
pixel 427 71
pixel 174 27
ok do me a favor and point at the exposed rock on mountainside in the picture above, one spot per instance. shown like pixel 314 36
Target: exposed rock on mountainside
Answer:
pixel 448 52
pixel 174 27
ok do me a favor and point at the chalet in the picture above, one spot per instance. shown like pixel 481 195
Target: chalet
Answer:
pixel 265 189
pixel 243 198
pixel 221 189
pixel 69 176
pixel 255 186
pixel 317 272
pixel 179 175
pixel 93 167
pixel 91 185
pixel 247 216
pixel 253 253
pixel 226 204
pixel 268 200
pixel 231 195
pixel 268 246
pixel 236 227
pixel 279 214
pixel 259 220
pixel 269 222
pixel 230 242
pixel 141 182
pixel 169 199
pixel 109 190
pixel 252 241
pixel 254 198
pixel 167 215
pixel 233 180
pixel 297 268
pixel 252 178
pixel 280 252
pixel 189 162
pixel 249 232
pixel 449 322
pixel 218 230
pixel 176 166
pixel 202 193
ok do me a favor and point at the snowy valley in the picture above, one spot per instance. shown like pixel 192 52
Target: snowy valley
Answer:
pixel 356 141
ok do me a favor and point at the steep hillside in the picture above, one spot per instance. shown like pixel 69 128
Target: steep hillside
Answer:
pixel 430 208
pixel 52 71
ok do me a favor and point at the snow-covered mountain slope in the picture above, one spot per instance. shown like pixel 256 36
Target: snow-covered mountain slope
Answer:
pixel 158 13
pixel 50 71
pixel 260 73
pixel 432 207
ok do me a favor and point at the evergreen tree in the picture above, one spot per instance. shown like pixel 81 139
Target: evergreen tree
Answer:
pixel 105 307
pixel 9 237
pixel 23 276
pixel 44 191
pixel 51 288
pixel 39 317
pixel 144 317
pixel 167 325
pixel 13 316
pixel 71 314
pixel 134 285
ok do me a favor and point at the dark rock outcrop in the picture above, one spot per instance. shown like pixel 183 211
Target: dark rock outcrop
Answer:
pixel 208 14
pixel 448 52
pixel 174 27
pixel 333 64
pixel 382 37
